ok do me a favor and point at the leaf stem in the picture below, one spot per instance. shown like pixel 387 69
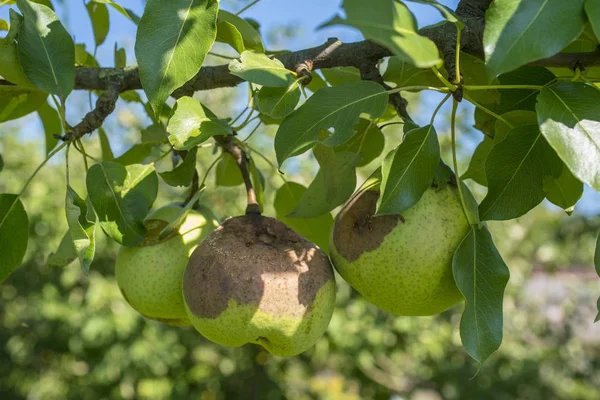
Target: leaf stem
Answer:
pixel 52 153
pixel 247 7
pixel 489 87
pixel 438 108
pixel 457 60
pixel 221 56
pixel 488 111
pixel 454 160
pixel 446 82
pixel 416 87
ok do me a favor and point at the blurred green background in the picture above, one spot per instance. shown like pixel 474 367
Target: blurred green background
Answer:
pixel 64 335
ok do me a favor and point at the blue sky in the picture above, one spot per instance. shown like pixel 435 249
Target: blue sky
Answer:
pixel 271 14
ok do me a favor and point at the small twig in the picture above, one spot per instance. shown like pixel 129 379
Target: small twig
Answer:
pixel 105 105
pixel 229 145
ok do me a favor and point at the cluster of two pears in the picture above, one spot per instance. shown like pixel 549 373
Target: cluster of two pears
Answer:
pixel 255 280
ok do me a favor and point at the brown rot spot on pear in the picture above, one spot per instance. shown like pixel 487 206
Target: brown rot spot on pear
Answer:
pixel 264 264
pixel 358 230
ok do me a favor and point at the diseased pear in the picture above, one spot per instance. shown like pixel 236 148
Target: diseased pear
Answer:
pixel 258 281
pixel 150 276
pixel 401 263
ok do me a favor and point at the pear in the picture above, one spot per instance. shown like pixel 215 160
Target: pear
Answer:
pixel 401 263
pixel 150 276
pixel 255 280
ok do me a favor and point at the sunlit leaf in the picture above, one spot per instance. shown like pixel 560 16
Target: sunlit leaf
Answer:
pixel 517 31
pixel 569 118
pixel 82 231
pixel 260 69
pixel 391 24
pixel 171 43
pixel 250 36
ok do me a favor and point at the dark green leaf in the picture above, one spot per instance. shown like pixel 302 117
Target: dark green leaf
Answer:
pixel 517 32
pixel 333 107
pixel 14 234
pixel 192 124
pixel 368 142
pixel 405 74
pixel 249 34
pixel 569 118
pixel 338 75
pixel 334 184
pixel 476 170
pixel 17 101
pixel 10 66
pixel 260 69
pixel 278 102
pixel 171 43
pixel 65 254
pixel 182 174
pixel 563 191
pixel 481 276
pixel 408 171
pixel 83 231
pixel 515 170
pixel 52 125
pixel 228 33
pixel 122 197
pixel 228 172
pixel 592 9
pixel 391 24
pixel 107 154
pixel 98 13
pixel 314 229
pixel 1 163
pixel 46 50
pixel 136 154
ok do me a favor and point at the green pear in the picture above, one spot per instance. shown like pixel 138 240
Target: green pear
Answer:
pixel 401 263
pixel 150 276
pixel 255 280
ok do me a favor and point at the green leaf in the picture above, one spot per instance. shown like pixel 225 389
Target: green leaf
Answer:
pixel 250 36
pixel 120 57
pixel 314 229
pixel 3 25
pixel 65 254
pixel 405 74
pixel 338 75
pixel 592 9
pixel 136 154
pixel 228 172
pixel 569 118
pixel 52 125
pixel 278 102
pixel 182 174
pixel 107 154
pixel 476 170
pixel 83 58
pixel 228 33
pixel 192 124
pixel 333 185
pixel 17 101
pixel 82 231
pixel 515 171
pixel 98 13
pixel 408 171
pixel 130 15
pixel 391 24
pixel 14 234
pixel 517 32
pixel 481 276
pixel 171 43
pixel 333 107
pixel 260 69
pixel 122 197
pixel 10 66
pixel 368 142
pixel 46 50
pixel 447 13
pixel 563 191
